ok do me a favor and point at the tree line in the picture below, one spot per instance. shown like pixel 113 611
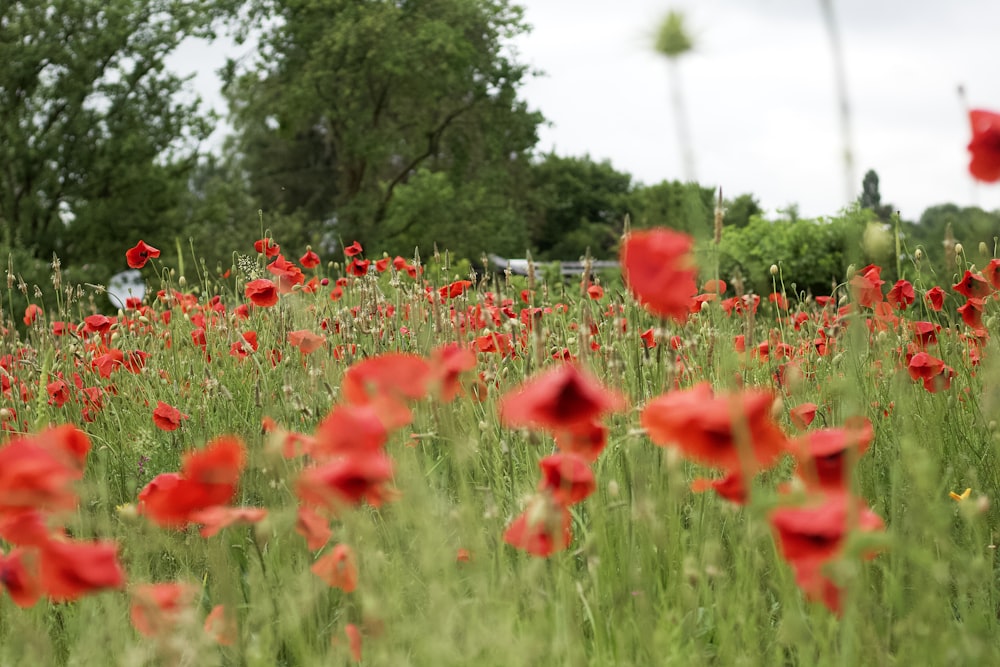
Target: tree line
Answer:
pixel 398 123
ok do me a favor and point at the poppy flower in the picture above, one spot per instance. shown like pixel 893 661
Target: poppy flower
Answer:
pixel 19 576
pixel 585 439
pixel 313 527
pixel 358 267
pixel 558 399
pixel 140 254
pixel 701 424
pixel 32 313
pixel 262 292
pixel 346 480
pixel 660 271
pixel 985 145
pixel 992 273
pixel 935 297
pixel 866 285
pixel 70 569
pixel 220 462
pixel 220 625
pixel 972 313
pixel 32 476
pixel 901 295
pixel 167 417
pixel 595 292
pixel 338 568
pixel 58 392
pixel 825 456
pixel 24 527
pixel 267 246
pixel 157 608
pixel 731 486
pixel 288 274
pixel 973 286
pixel 347 430
pixel 803 414
pixel 353 640
pixel 542 529
pixel 567 477
pixel 306 341
pixel 353 250
pixel 214 519
pixel 390 375
pixel 447 363
pixel 310 260
pixel 455 289
pixel 931 371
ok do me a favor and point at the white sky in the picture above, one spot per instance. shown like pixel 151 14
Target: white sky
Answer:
pixel 760 94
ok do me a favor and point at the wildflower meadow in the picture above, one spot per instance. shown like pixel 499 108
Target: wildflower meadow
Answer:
pixel 305 460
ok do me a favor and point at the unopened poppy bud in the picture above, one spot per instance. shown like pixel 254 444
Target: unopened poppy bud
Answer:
pixel 959 249
pixel 918 254
pixel 613 489
pixel 983 249
pixel 774 269
pixel 5 414
pixel 121 314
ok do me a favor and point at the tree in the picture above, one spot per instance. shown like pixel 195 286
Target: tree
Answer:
pixel 687 207
pixel 97 143
pixel 871 198
pixel 351 101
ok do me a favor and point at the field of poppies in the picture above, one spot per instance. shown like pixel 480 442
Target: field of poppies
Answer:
pixel 380 461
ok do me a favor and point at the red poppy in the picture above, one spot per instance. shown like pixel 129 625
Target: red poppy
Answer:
pixel 262 292
pixel 156 608
pixel 140 254
pixel 931 371
pixel 346 480
pixel 447 364
pixel 58 393
pixel 215 519
pixel 220 625
pixel 24 527
pixel 306 341
pixel 167 417
pixel 595 292
pixel 338 568
pixel 455 289
pixel 32 313
pixel 353 640
pixel 935 297
pixel 866 285
pixel 660 271
pixel 220 462
pixel 973 286
pixel 310 260
pixel 19 576
pixel 972 313
pixel 802 415
pixel 313 527
pixel 267 246
pixel 542 529
pixel 353 249
pixel 288 274
pixel 992 273
pixel 70 569
pixel 559 399
pixel 567 477
pixel 732 487
pixel 585 439
pixel 701 424
pixel 358 267
pixel 985 145
pixel 901 295
pixel 826 456
pixel 33 476
pixel 390 375
pixel 347 430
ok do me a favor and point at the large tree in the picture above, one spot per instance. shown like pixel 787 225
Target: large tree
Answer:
pixel 97 143
pixel 352 102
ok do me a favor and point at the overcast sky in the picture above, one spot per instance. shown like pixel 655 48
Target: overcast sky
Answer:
pixel 760 94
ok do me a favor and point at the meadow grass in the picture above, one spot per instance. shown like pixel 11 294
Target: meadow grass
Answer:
pixel 655 574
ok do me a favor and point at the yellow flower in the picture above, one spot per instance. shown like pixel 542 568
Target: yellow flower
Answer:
pixel 960 497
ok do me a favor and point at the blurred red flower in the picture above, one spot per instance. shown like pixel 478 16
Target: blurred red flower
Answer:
pixel 70 569
pixel 560 399
pixel 542 529
pixel 156 608
pixel 567 477
pixel 338 568
pixel 167 417
pixel 985 145
pixel 659 269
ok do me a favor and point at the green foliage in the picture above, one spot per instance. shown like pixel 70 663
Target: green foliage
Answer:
pixel 812 254
pixel 97 143
pixel 686 207
pixel 351 101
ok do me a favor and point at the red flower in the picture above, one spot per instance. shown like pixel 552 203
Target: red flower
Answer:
pixel 973 286
pixel 585 439
pixel 34 476
pixel 391 375
pixel 935 297
pixel 867 286
pixel 455 289
pixel 931 370
pixel 826 456
pixel 732 487
pixel 353 249
pixel 901 295
pixel 19 575
pixel 992 273
pixel 220 462
pixel 287 273
pixel 802 415
pixel 358 267
pixel 58 393
pixel 215 519
pixel 595 292
pixel 32 313
pixel 156 608
pixel 558 399
pixel 140 254
pixel 701 425
pixel 306 341
pixel 567 477
pixel 167 417
pixel 447 364
pixel 348 430
pixel 542 529
pixel 338 568
pixel 972 313
pixel 346 480
pixel 353 640
pixel 310 260
pixel 221 626
pixel 985 145
pixel 314 528
pixel 262 292
pixel 659 269
pixel 70 569
pixel 267 246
